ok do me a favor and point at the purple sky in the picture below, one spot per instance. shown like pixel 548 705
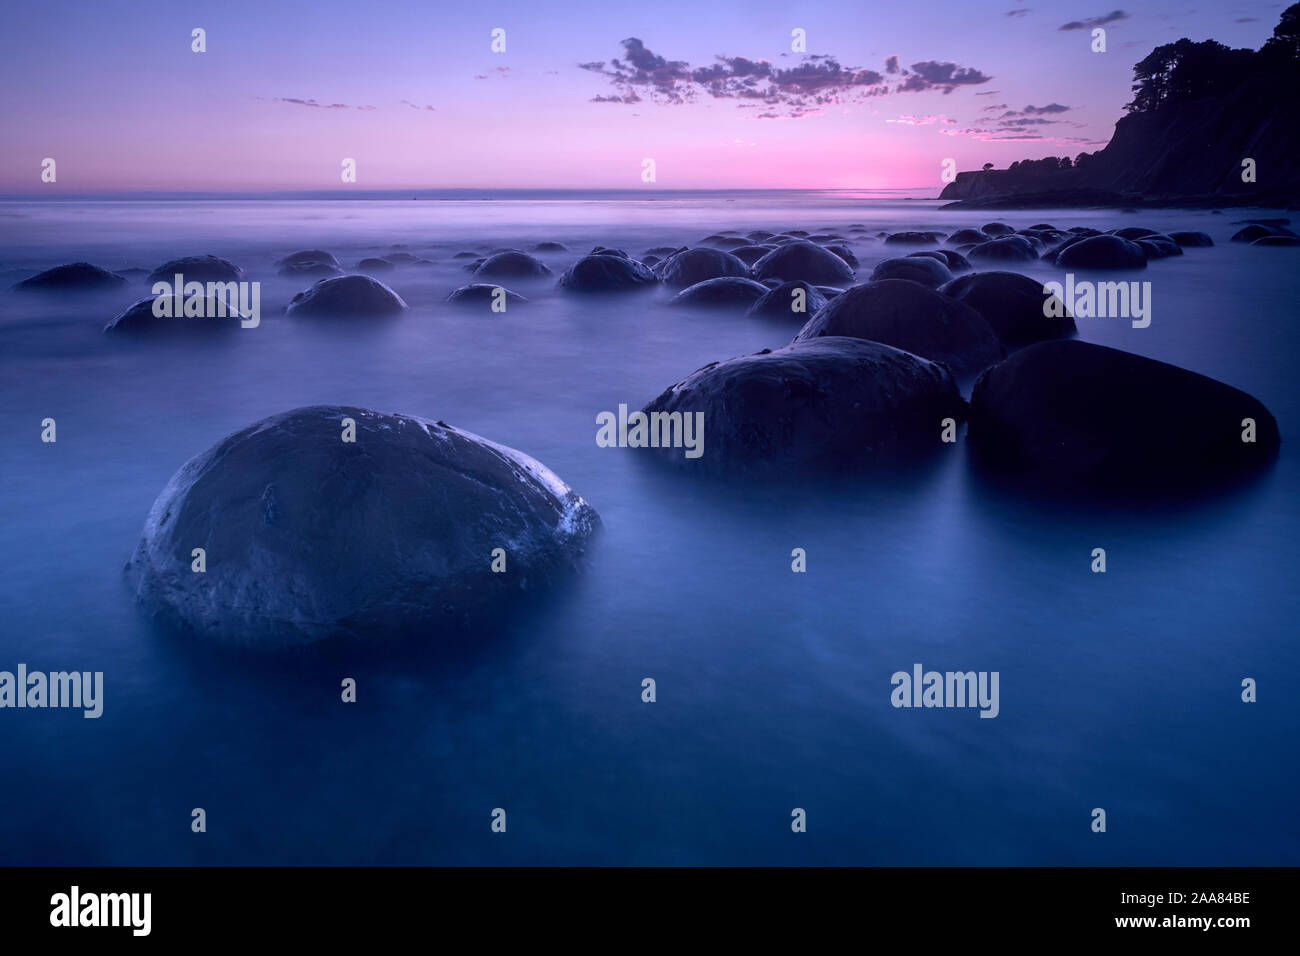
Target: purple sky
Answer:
pixel 710 90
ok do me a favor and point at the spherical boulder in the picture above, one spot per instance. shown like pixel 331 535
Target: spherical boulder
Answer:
pixel 1102 252
pixel 483 294
pixel 1069 415
pixel 198 269
pixel 603 273
pixel 1191 239
pixel 1005 249
pixel 996 229
pixel 829 403
pixel 309 262
pixel 698 264
pixel 511 265
pixel 964 237
pixel 953 259
pixel 141 318
pixel 909 316
pixel 733 291
pixel 1252 232
pixel 1277 241
pixel 375 266
pixel 1015 306
pixel 347 297
pixel 910 239
pixel 550 247
pixel 794 299
pixel 1159 246
pixel 751 254
pixel 928 271
pixel 74 277
pixel 308 536
pixel 803 260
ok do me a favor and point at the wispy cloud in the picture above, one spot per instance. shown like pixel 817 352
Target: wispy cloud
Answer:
pixel 296 101
pixel 1094 21
pixel 806 89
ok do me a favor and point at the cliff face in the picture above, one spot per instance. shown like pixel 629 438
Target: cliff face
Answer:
pixel 1191 150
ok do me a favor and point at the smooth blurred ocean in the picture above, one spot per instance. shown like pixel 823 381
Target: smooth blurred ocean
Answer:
pixel 1119 691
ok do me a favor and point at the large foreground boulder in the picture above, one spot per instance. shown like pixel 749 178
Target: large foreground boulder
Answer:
pixel 347 297
pixel 606 273
pixel 909 316
pixel 928 271
pixel 1014 305
pixel 803 260
pixel 218 315
pixel 795 299
pixel 307 536
pixel 74 277
pixel 1070 414
pixel 827 403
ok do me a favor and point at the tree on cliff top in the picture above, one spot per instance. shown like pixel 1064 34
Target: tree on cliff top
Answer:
pixel 1184 71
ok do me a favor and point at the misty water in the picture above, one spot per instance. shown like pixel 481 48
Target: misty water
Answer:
pixel 1118 690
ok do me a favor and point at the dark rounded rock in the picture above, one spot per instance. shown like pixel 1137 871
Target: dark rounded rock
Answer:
pixel 953 259
pixel 1192 239
pixel 909 316
pixel 698 264
pixel 1014 305
pixel 375 266
pixel 728 243
pixel 606 274
pixel 844 252
pixel 910 239
pixel 1252 232
pixel 467 255
pixel 403 258
pixel 603 251
pixel 1043 226
pixel 797 233
pixel 1159 247
pixel 511 265
pixel 663 252
pixel 781 302
pixel 1133 232
pixel 723 291
pixel 198 269
pixel 482 294
pixel 1277 241
pixel 347 297
pixel 309 262
pixel 550 247
pixel 930 272
pixel 1070 414
pixel 803 260
pixel 758 235
pixel 219 315
pixel 996 229
pixel 830 403
pixel 751 254
pixel 309 537
pixel 1102 252
pixel 963 237
pixel 74 277
pixel 1006 249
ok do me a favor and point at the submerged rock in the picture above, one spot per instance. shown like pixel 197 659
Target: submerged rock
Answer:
pixel 698 264
pixel 967 237
pixel 309 262
pixel 1252 232
pixel 928 271
pixel 1069 415
pixel 1159 247
pixel 996 229
pixel 1277 241
pixel 803 260
pixel 512 265
pixel 483 294
pixel 606 274
pixel 375 266
pixel 723 291
pixel 198 269
pixel 953 259
pixel 909 316
pixel 782 302
pixel 1191 239
pixel 751 254
pixel 910 239
pixel 550 247
pixel 347 297
pixel 307 536
pixel 1013 305
pixel 828 403
pixel 74 277
pixel 1006 249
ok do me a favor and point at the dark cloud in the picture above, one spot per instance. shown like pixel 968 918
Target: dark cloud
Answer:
pixel 819 81
pixel 1018 13
pixel 416 106
pixel 320 106
pixel 1094 21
